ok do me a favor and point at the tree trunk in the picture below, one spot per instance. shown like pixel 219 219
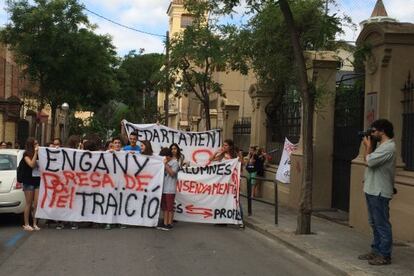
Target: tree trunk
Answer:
pixel 53 124
pixel 206 105
pixel 305 205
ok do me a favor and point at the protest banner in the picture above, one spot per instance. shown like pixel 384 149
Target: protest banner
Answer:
pixel 209 194
pixel 102 187
pixel 283 171
pixel 197 147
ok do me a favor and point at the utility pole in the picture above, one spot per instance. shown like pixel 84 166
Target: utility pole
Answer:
pixel 167 76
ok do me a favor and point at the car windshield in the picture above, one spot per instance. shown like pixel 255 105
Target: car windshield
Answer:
pixel 8 162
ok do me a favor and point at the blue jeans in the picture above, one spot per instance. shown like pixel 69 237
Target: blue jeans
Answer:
pixel 379 219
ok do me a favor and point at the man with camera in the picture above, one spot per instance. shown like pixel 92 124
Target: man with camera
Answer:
pixel 379 189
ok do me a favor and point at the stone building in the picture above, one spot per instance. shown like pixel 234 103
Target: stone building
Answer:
pixel 11 89
pixel 19 114
pixel 186 112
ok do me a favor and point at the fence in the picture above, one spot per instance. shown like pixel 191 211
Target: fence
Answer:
pixel 408 124
pixel 241 133
pixel 283 120
pixel 250 199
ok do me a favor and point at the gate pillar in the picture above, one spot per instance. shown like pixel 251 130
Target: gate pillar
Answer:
pixel 230 114
pixel 260 99
pixel 390 58
pixel 323 66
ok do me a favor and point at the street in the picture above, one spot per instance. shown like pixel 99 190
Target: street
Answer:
pixel 188 249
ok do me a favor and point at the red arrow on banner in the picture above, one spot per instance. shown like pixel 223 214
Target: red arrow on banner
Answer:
pixel 206 212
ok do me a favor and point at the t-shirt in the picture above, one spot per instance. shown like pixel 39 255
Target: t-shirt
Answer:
pixel 170 182
pixel 28 177
pixel 252 163
pixel 260 165
pixel 379 175
pixel 131 148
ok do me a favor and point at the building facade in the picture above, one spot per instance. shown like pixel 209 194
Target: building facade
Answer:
pixel 186 113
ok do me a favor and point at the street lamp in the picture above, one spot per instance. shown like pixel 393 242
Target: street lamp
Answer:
pixel 65 108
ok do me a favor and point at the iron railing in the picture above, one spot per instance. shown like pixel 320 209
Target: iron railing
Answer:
pixel 408 124
pixel 241 133
pixel 250 198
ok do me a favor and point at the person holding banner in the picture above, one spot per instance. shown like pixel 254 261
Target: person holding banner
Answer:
pixel 116 146
pixel 73 142
pixel 227 151
pixel 146 148
pixel 133 147
pixel 31 182
pixel 169 188
pixel 176 152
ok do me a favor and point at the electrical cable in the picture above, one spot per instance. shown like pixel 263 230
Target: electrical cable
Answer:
pixel 122 25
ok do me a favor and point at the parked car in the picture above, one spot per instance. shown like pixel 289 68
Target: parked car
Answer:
pixel 12 198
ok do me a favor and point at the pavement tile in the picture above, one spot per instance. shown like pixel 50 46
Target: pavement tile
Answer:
pixel 333 245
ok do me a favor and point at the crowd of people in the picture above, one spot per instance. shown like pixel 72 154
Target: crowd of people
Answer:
pixel 173 159
pixel 8 145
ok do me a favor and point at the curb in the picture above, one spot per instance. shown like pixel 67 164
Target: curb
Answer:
pixel 315 259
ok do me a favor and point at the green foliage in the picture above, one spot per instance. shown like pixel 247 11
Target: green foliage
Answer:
pixel 197 53
pixel 56 45
pixel 361 54
pixel 348 103
pixel 138 74
pixel 267 44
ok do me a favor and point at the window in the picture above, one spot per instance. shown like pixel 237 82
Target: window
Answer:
pixel 8 162
pixel 186 20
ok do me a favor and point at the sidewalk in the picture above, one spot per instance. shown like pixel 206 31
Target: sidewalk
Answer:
pixel 332 245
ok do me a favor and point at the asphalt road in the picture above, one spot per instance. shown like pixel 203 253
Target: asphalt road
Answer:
pixel 188 249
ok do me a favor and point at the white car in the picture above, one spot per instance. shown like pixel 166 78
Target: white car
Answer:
pixel 12 198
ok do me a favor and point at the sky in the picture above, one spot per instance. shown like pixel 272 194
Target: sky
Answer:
pixel 150 16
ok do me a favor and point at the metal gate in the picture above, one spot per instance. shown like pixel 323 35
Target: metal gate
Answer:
pixel 241 133
pixel 349 114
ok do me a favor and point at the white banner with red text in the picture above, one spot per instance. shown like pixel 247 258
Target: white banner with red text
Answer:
pixel 209 194
pixel 103 187
pixel 283 171
pixel 197 147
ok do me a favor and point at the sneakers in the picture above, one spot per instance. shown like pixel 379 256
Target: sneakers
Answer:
pixel 59 226
pixel 375 259
pixel 27 228
pixel 367 256
pixel 380 260
pixel 164 227
pixel 74 226
pixel 107 227
pixel 122 226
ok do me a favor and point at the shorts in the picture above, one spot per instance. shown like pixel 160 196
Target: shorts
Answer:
pixel 167 202
pixel 251 176
pixel 30 187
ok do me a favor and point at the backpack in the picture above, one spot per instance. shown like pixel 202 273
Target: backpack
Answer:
pixel 20 173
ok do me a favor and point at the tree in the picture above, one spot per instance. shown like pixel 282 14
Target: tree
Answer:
pixel 196 54
pixel 56 45
pixel 135 100
pixel 321 28
pixel 138 77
